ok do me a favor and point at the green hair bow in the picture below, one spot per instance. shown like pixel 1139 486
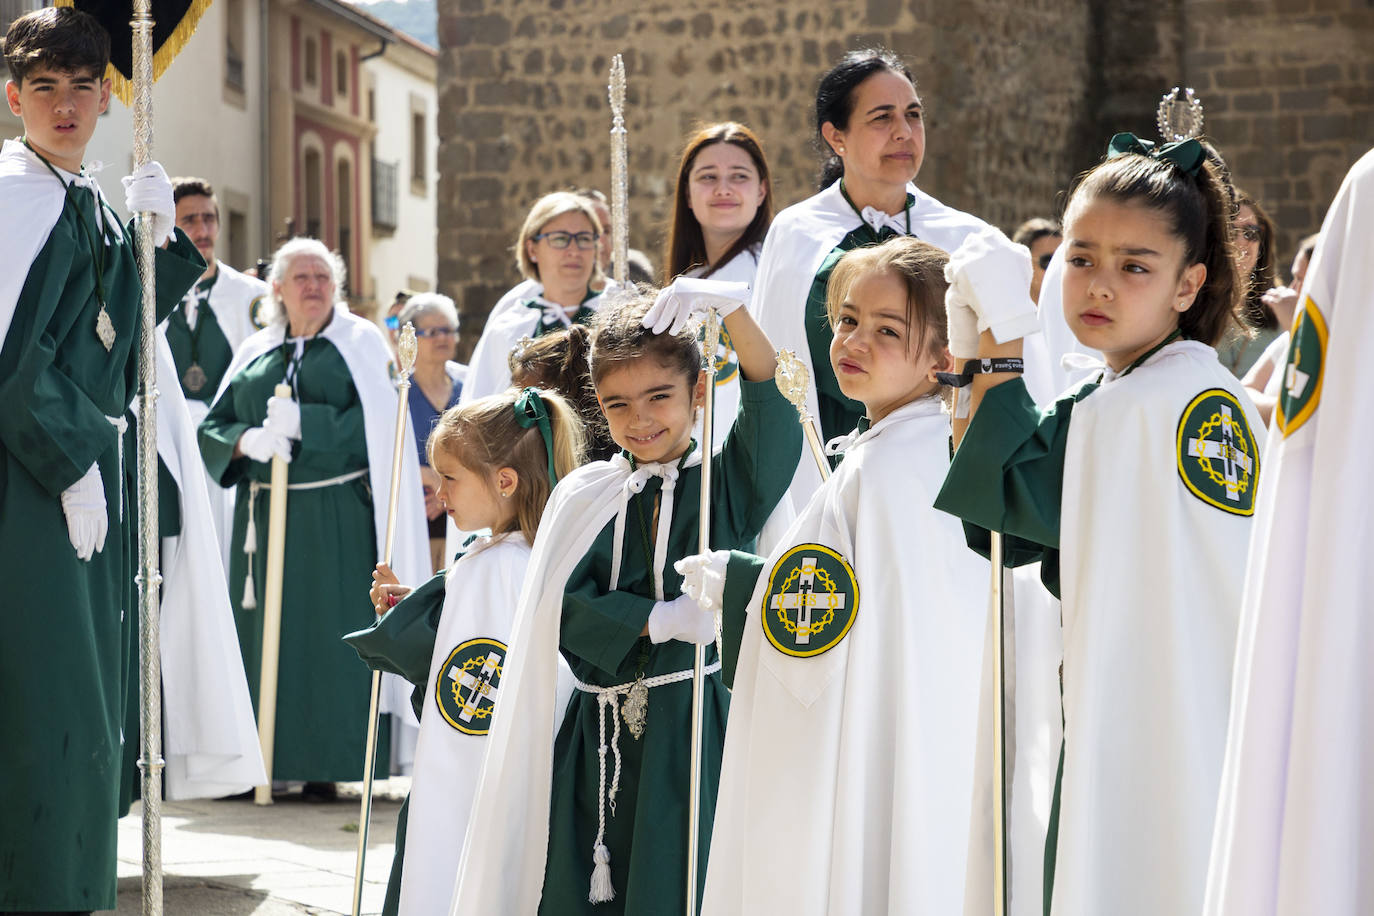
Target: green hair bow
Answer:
pixel 530 410
pixel 1187 155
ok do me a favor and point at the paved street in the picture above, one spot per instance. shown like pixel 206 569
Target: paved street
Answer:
pixel 290 858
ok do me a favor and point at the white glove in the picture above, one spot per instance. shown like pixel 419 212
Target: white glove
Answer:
pixel 685 297
pixel 283 417
pixel 681 619
pixel 262 444
pixel 962 325
pixel 703 577
pixel 149 189
pixel 991 274
pixel 87 522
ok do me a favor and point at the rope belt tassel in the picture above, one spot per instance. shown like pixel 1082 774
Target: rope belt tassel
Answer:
pixel 250 530
pixel 608 698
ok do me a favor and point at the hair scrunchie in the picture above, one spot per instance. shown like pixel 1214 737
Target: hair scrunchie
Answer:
pixel 530 410
pixel 1187 155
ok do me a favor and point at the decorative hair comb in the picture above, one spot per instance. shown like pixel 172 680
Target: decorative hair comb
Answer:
pixel 1179 118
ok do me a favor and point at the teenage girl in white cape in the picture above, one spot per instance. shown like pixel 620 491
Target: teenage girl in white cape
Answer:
pixel 497 459
pixel 722 208
pixel 851 742
pixel 1136 490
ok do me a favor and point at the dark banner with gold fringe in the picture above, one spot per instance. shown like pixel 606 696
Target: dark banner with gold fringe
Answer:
pixel 174 22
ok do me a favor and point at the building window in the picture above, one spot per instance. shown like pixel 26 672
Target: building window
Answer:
pixel 418 136
pixel 233 44
pixel 238 239
pixel 385 194
pixel 341 73
pixel 312 175
pixel 372 106
pixel 344 203
pixel 310 62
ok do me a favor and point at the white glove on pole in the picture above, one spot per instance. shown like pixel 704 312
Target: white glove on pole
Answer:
pixel 961 323
pixel 261 444
pixel 681 619
pixel 87 521
pixel 283 417
pixel 686 297
pixel 149 190
pixel 703 578
pixel 991 275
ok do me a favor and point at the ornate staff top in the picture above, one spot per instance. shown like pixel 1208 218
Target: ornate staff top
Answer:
pixel 406 348
pixel 1179 118
pixel 620 176
pixel 793 380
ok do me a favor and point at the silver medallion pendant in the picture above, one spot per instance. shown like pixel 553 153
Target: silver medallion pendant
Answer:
pixel 635 709
pixel 104 329
pixel 194 379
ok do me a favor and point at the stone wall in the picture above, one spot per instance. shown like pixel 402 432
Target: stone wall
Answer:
pixel 1020 95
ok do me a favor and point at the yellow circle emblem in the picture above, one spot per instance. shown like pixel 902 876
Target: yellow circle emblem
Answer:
pixel 811 602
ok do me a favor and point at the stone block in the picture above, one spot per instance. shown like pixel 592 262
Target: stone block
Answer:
pixel 1323 128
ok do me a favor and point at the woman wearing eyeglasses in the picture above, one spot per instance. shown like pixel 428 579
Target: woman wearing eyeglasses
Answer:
pixel 557 249
pixel 436 385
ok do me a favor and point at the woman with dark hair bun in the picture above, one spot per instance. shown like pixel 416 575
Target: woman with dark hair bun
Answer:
pixel 721 211
pixel 870 124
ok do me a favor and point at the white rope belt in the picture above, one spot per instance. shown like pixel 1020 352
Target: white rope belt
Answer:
pixel 121 425
pixel 250 531
pixel 608 698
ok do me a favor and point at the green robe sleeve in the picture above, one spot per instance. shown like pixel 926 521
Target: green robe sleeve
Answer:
pixel 217 436
pixel 1008 476
pixel 177 267
pixel 601 626
pixel 755 465
pixel 331 436
pixel 741 578
pixel 402 641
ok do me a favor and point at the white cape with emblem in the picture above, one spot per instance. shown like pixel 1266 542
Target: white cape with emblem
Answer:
pixel 797 243
pixel 210 733
pixel 1295 828
pixel 507 843
pixel 480 594
pixel 366 353
pixel 847 776
pixel 1151 581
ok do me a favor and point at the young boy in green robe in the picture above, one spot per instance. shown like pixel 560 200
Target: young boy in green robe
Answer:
pixel 70 296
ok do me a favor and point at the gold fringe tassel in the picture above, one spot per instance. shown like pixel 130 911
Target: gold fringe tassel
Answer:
pixel 122 87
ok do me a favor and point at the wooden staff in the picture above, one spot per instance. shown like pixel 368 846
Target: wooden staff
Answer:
pixel 708 366
pixel 794 381
pixel 271 616
pixel 405 349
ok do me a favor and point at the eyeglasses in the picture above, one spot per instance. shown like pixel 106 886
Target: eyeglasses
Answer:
pixel 436 332
pixel 1250 232
pixel 1044 260
pixel 560 240
pixel 392 322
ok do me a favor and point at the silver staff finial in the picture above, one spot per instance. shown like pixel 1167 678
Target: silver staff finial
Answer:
pixel 1179 118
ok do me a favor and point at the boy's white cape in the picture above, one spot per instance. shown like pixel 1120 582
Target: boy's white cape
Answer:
pixel 1295 827
pixel 368 356
pixel 798 241
pixel 506 848
pixel 211 736
pixel 847 776
pixel 480 596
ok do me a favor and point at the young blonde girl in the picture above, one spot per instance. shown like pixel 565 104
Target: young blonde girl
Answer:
pixel 851 740
pixel 497 459
pixel 596 821
pixel 1136 490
